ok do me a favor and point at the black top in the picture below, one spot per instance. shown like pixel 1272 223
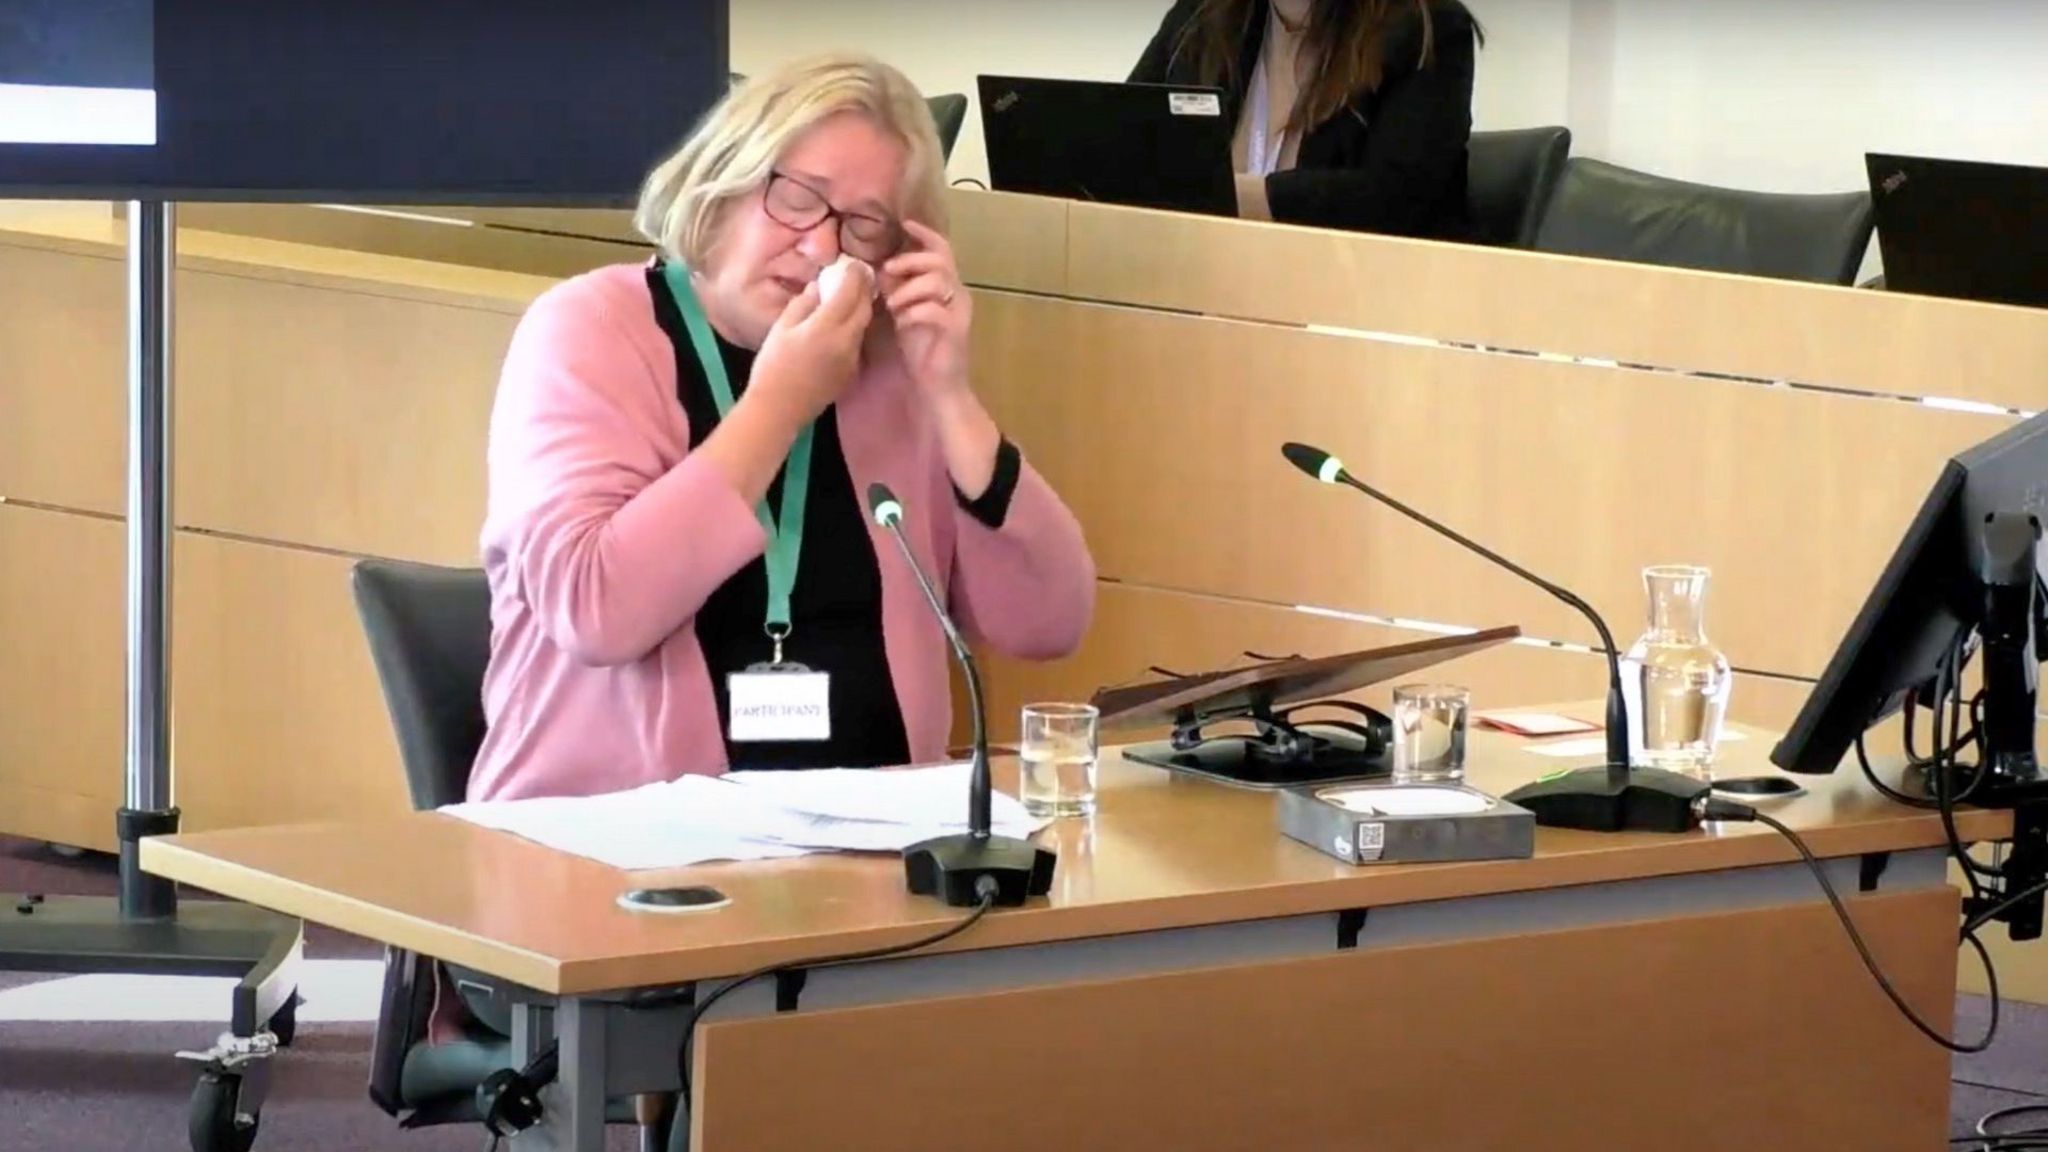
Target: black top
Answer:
pixel 836 606
pixel 1394 160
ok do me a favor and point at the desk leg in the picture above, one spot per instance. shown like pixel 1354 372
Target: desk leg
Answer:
pixel 533 1025
pixel 576 1115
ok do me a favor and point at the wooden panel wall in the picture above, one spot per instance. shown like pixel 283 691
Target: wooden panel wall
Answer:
pixel 1670 318
pixel 1782 434
pixel 1168 447
pixel 61 675
pixel 331 403
pixel 327 405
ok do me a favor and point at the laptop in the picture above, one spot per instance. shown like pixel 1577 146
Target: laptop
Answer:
pixel 1961 228
pixel 1143 145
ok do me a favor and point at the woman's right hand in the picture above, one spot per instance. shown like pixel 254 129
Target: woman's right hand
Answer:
pixel 813 350
pixel 809 357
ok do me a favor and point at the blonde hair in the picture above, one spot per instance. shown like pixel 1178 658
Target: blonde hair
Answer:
pixel 730 153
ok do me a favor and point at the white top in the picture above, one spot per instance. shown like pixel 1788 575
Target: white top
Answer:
pixel 1264 146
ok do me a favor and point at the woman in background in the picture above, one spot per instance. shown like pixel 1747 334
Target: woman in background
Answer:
pixel 680 453
pixel 1350 113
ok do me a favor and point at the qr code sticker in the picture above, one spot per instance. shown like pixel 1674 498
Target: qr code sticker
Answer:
pixel 1372 841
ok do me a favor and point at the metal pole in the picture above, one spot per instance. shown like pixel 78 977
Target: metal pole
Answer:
pixel 152 259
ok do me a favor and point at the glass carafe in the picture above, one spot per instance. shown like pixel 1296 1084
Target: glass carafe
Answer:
pixel 1674 679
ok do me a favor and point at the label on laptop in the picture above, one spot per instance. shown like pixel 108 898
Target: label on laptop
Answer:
pixel 1194 103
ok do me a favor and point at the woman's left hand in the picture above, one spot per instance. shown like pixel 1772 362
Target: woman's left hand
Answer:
pixel 921 289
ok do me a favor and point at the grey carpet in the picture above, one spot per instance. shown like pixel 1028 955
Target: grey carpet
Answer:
pixel 107 1086
pixel 91 1086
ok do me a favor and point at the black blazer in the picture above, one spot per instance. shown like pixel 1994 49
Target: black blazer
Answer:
pixel 1393 160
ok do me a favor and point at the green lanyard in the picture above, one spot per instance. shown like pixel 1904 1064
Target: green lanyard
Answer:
pixel 786 531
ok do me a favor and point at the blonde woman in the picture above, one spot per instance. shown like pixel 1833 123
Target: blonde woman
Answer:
pixel 679 453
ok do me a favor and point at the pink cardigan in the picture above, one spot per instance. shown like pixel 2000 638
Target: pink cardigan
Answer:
pixel 602 539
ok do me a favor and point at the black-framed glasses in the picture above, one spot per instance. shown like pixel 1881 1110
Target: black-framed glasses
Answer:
pixel 794 204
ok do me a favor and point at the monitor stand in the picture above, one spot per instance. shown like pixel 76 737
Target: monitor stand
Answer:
pixel 2013 630
pixel 1278 752
pixel 144 930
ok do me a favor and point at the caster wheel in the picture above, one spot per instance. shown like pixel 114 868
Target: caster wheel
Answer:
pixel 215 1125
pixel 285 1024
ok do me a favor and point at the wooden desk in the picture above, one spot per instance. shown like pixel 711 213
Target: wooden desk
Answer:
pixel 1189 982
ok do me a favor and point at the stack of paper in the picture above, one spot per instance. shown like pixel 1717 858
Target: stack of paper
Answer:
pixel 753 816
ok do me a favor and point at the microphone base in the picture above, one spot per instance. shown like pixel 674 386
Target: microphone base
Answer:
pixel 1590 799
pixel 953 867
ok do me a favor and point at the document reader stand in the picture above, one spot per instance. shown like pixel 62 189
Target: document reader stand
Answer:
pixel 1281 749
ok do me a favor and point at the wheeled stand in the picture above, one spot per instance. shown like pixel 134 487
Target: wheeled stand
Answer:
pixel 144 930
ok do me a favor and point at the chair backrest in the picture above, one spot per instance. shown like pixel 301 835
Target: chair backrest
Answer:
pixel 1606 211
pixel 429 631
pixel 1510 176
pixel 949 112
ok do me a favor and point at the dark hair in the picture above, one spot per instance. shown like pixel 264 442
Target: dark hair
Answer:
pixel 1347 40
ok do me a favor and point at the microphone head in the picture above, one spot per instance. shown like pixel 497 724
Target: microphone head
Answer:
pixel 883 505
pixel 1314 461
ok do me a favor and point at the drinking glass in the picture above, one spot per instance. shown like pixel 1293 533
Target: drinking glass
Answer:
pixel 1057 777
pixel 1429 733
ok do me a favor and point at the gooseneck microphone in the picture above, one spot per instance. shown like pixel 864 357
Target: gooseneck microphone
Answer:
pixel 888 512
pixel 1329 470
pixel 1613 798
pixel 963 870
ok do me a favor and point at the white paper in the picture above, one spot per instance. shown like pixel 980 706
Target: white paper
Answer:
pixel 753 816
pixel 1537 723
pixel 933 795
pixel 1415 800
pixel 1592 746
pixel 1596 745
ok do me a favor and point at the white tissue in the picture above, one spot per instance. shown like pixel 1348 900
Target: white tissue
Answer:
pixel 830 276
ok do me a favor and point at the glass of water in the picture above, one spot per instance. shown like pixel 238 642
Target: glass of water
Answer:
pixel 1429 733
pixel 1057 776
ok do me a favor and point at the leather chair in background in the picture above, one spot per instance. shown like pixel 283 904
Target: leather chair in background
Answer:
pixel 949 112
pixel 1609 212
pixel 429 634
pixel 1511 175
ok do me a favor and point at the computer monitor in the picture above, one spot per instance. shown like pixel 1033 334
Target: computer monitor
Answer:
pixel 1145 145
pixel 1932 596
pixel 1963 229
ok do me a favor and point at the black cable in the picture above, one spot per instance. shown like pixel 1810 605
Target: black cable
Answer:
pixel 2004 905
pixel 1727 810
pixel 1990 1118
pixel 1890 793
pixel 970 180
pixel 985 889
pixel 1948 693
pixel 1915 760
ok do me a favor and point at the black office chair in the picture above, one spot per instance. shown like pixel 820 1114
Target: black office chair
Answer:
pixel 949 112
pixel 1510 176
pixel 429 633
pixel 1613 213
